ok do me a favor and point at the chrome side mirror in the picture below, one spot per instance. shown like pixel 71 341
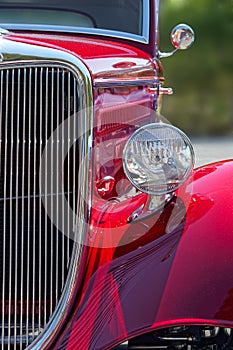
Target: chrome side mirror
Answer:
pixel 182 37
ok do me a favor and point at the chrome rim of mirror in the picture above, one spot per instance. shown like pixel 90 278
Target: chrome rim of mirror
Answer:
pixel 182 36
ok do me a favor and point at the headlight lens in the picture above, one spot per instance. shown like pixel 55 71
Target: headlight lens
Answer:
pixel 158 158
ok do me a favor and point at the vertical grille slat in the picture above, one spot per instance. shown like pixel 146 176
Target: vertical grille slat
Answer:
pixel 40 194
pixel 16 212
pixel 63 180
pixel 4 215
pixel 35 255
pixel 74 152
pixel 22 209
pixel 52 201
pixel 34 204
pixel 11 207
pixel 68 167
pixel 29 238
pixel 46 191
pixel 57 181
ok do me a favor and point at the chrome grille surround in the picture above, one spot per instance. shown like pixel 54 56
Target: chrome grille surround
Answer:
pixel 19 63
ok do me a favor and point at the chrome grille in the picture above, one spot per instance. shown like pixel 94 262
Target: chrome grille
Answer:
pixel 34 254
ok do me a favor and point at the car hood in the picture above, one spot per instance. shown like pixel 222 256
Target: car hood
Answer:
pixel 104 59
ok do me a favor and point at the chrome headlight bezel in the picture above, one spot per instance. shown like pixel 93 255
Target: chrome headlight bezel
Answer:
pixel 158 158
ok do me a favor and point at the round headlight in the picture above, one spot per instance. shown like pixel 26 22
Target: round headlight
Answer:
pixel 158 158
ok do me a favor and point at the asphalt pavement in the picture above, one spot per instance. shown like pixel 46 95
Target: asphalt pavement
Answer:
pixel 209 150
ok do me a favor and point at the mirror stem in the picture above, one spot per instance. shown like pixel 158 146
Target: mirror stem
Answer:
pixel 166 54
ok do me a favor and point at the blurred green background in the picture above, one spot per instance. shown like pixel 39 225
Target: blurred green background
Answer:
pixel 202 76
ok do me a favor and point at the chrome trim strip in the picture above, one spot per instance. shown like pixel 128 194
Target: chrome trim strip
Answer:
pixel 18 55
pixel 1 103
pixel 146 22
pixel 76 30
pixel 144 38
pixel 98 83
pixel 157 6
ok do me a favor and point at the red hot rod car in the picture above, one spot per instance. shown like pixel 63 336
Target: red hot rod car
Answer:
pixel 109 238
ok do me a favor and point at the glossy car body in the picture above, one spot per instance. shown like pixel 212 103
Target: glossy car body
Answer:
pixel 139 267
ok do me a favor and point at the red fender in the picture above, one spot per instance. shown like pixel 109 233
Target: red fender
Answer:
pixel 180 272
pixel 200 283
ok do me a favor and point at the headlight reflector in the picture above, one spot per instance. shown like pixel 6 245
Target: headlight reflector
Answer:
pixel 158 158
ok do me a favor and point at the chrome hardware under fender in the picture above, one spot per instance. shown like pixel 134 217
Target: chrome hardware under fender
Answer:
pixel 160 90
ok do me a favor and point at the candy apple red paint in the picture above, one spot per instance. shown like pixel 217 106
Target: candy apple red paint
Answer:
pixel 109 238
